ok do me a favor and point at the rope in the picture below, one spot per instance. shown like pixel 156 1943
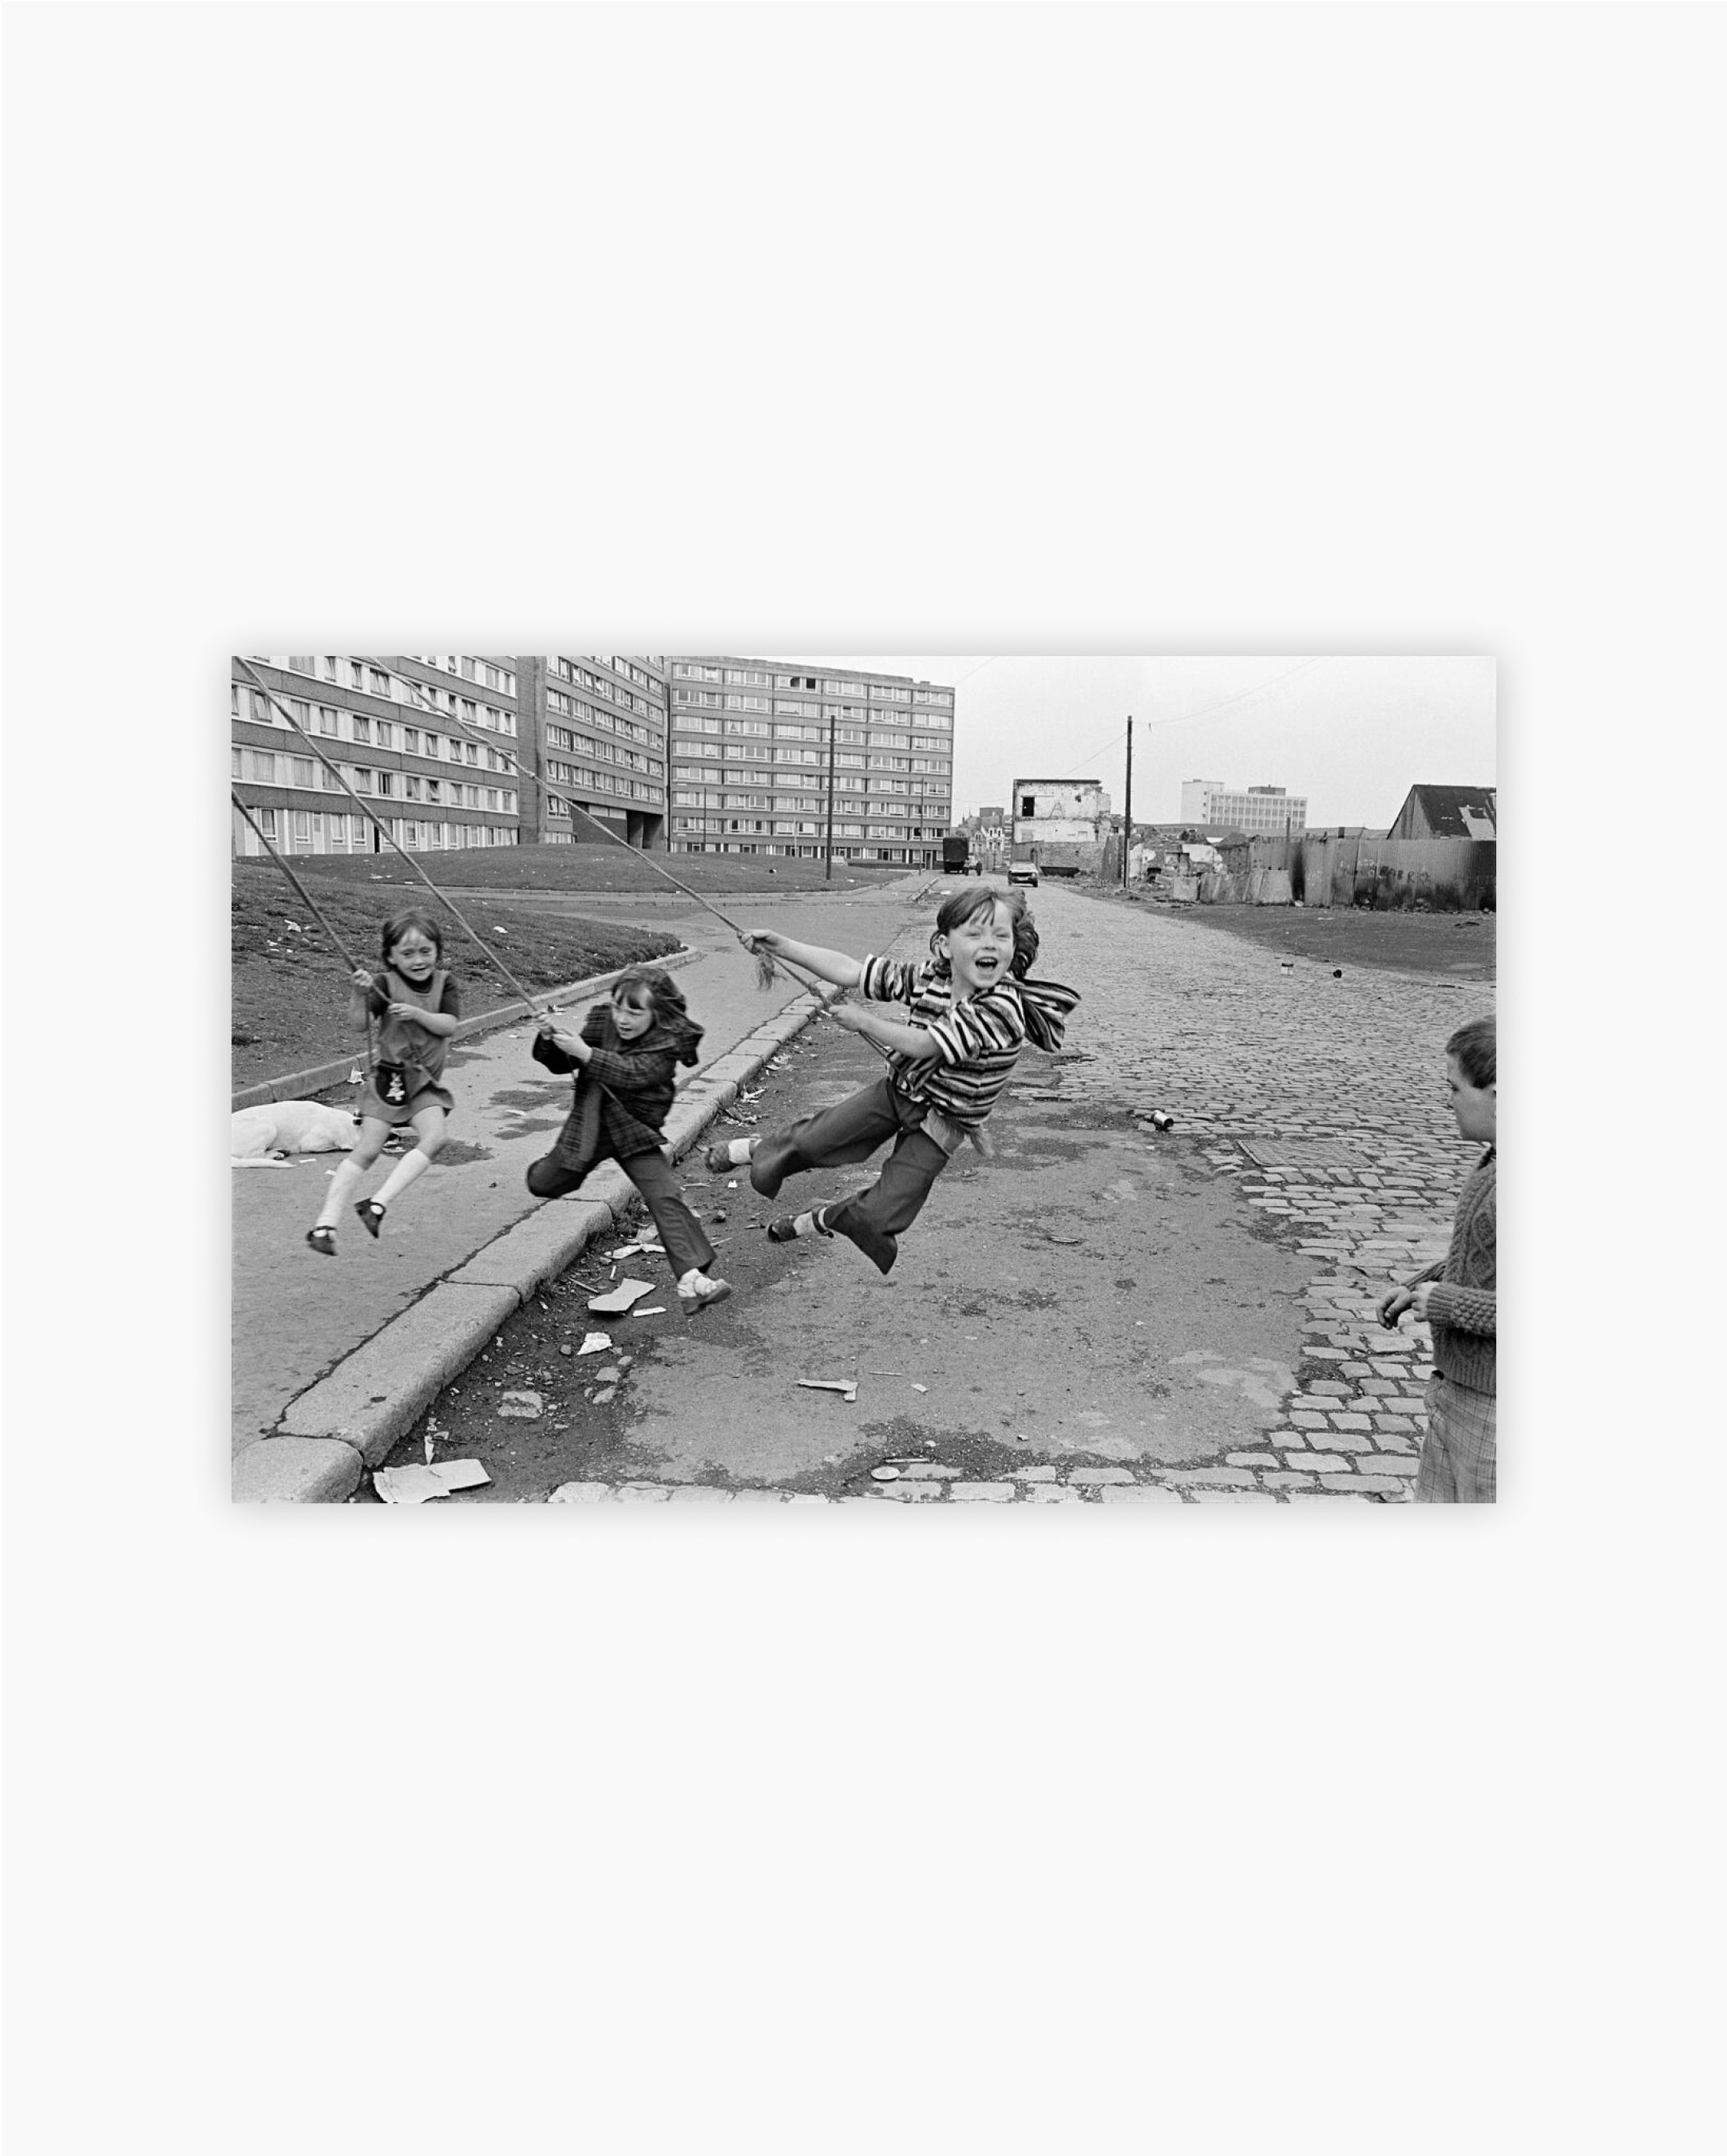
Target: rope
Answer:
pixel 525 993
pixel 532 778
pixel 353 963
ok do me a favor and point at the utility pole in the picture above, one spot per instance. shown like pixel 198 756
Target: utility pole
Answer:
pixel 828 869
pixel 1128 809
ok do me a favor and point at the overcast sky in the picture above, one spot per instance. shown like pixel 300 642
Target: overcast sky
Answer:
pixel 1352 735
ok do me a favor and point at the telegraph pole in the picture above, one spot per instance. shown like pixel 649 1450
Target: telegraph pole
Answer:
pixel 828 869
pixel 1128 810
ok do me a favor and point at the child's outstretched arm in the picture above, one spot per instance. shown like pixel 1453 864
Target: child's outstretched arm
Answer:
pixel 914 1040
pixel 826 965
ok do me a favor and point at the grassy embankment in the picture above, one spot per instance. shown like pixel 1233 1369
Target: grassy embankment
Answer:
pixel 290 991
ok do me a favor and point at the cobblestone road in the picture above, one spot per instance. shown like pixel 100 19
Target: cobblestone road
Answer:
pixel 1322 1099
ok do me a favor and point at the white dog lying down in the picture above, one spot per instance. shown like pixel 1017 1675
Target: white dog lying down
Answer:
pixel 284 1127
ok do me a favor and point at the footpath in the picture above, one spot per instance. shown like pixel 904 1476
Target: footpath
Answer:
pixel 334 1359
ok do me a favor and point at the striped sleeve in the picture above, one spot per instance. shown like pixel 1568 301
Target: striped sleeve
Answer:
pixel 887 980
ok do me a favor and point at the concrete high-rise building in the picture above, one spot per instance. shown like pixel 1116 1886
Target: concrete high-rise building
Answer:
pixel 450 751
pixel 427 743
pixel 1255 809
pixel 595 730
pixel 754 742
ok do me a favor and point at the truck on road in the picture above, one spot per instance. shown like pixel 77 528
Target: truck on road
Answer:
pixel 957 855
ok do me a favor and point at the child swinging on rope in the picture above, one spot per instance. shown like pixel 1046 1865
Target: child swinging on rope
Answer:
pixel 418 1006
pixel 626 1060
pixel 971 1009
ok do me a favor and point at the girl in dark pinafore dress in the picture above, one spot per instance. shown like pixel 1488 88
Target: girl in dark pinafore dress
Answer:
pixel 418 1007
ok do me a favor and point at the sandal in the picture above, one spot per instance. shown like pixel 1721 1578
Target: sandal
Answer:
pixel 370 1214
pixel 322 1240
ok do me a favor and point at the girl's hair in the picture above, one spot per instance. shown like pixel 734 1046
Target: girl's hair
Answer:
pixel 639 985
pixel 399 924
pixel 1472 1044
pixel 965 905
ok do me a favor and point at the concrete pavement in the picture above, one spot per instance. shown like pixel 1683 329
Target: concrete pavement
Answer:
pixel 333 1359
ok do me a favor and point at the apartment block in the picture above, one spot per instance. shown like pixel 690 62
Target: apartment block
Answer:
pixel 764 751
pixel 595 740
pixel 427 743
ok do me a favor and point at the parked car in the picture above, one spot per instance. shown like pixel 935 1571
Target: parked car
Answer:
pixel 1023 872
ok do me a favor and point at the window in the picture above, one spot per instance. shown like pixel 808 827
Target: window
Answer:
pixel 361 779
pixel 301 767
pixel 362 727
pixel 386 734
pixel 235 763
pixel 433 791
pixel 410 740
pixel 380 683
pixel 326 720
pixel 266 822
pixel 263 766
pixel 410 788
pixel 356 674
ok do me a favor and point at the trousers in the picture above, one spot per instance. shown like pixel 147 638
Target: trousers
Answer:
pixel 650 1172
pixel 838 1137
pixel 1459 1455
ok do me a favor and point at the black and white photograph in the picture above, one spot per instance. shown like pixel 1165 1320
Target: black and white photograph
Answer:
pixel 1048 1138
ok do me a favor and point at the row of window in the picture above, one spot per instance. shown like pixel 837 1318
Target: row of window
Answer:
pixel 879 692
pixel 263 767
pixel 691 703
pixel 845 782
pixel 696 798
pixel 378 681
pixel 583 780
pixel 357 726
pixel 303 830
pixel 689 731
pixel 573 670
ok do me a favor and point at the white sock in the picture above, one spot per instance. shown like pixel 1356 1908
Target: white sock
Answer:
pixel 411 1166
pixel 738 1150
pixel 695 1277
pixel 341 1185
pixel 808 1224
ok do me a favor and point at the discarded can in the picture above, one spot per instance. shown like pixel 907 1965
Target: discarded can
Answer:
pixel 1160 1121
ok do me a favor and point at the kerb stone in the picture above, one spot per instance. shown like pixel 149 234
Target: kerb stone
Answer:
pixel 295 1471
pixel 371 1398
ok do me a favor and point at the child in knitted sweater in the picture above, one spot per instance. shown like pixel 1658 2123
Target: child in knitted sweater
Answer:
pixel 1456 1296
pixel 625 1060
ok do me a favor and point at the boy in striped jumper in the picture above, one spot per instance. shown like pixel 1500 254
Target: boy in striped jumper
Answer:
pixel 1456 1296
pixel 970 1010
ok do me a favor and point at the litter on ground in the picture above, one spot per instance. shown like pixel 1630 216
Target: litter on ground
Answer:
pixel 845 1387
pixel 596 1343
pixel 522 1407
pixel 626 1292
pixel 413 1486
